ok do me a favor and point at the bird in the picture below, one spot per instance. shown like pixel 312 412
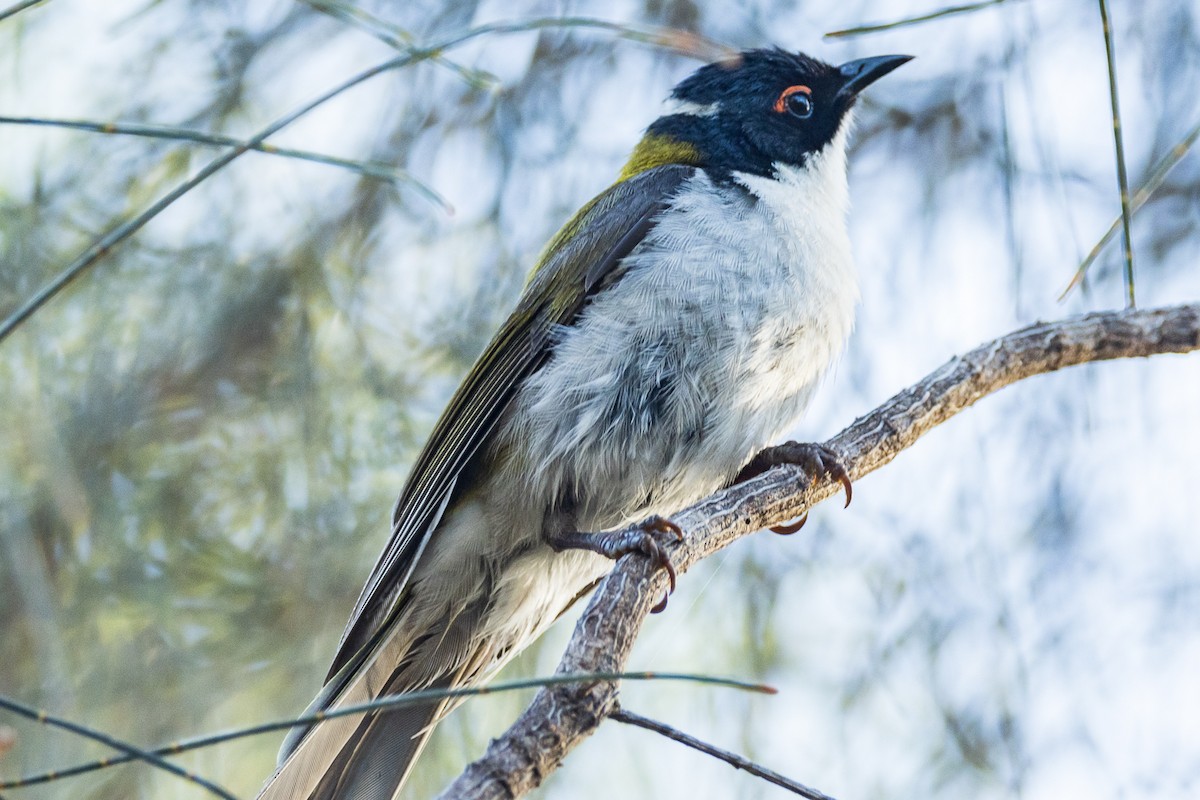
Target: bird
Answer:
pixel 672 330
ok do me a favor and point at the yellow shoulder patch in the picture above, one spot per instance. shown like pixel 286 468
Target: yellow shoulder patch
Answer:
pixel 656 150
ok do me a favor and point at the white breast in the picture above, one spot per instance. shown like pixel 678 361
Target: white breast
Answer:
pixel 708 348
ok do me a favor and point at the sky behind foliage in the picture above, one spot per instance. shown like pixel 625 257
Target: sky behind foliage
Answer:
pixel 204 434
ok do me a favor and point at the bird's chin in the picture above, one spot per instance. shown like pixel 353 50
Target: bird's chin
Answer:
pixel 845 126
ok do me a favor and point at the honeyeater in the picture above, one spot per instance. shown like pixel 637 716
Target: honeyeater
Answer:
pixel 676 325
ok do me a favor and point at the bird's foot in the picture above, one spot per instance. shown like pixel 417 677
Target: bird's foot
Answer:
pixel 643 539
pixel 814 459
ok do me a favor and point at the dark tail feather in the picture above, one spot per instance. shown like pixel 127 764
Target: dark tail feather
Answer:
pixel 368 758
pixel 357 759
pixel 378 757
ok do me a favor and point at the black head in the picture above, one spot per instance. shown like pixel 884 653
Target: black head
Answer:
pixel 761 108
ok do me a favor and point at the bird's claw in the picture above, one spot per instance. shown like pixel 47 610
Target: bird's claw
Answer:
pixel 814 459
pixel 789 528
pixel 642 539
pixel 651 547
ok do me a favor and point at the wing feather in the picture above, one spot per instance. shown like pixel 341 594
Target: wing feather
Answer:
pixel 581 259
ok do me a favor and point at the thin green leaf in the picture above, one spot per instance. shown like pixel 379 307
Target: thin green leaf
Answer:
pixel 661 37
pixel 1158 174
pixel 876 27
pixel 131 752
pixel 18 8
pixel 370 169
pixel 1119 142
pixel 385 703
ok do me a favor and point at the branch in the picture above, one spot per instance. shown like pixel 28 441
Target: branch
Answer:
pixel 732 759
pixel 369 169
pixel 561 717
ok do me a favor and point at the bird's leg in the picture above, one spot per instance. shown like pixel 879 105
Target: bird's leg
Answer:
pixel 814 459
pixel 642 538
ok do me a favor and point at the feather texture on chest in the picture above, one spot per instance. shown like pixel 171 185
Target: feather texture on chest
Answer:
pixel 707 347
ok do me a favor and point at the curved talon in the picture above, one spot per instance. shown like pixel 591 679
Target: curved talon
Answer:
pixel 838 473
pixel 654 550
pixel 814 459
pixel 830 463
pixel 789 528
pixel 658 555
pixel 661 560
pixel 844 479
pixel 657 524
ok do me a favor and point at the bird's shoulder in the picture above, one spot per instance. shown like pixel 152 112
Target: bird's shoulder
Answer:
pixel 584 252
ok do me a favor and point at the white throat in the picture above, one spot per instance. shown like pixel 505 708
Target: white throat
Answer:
pixel 819 187
pixel 808 205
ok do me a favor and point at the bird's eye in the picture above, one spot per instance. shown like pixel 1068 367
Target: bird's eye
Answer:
pixel 795 100
pixel 800 105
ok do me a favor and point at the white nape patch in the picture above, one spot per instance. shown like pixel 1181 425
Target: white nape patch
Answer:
pixel 674 105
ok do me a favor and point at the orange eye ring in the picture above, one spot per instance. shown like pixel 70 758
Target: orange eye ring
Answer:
pixel 781 103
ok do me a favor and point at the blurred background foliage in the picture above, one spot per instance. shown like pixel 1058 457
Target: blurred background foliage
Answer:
pixel 204 434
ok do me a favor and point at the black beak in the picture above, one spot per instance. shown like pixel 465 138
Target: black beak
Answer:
pixel 862 73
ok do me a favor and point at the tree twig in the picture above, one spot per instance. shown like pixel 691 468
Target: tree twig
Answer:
pixel 38 715
pixel 659 37
pixel 1158 174
pixel 876 27
pixel 370 169
pixel 732 759
pixel 1119 143
pixel 560 718
pixel 397 37
pixel 18 8
pixel 388 702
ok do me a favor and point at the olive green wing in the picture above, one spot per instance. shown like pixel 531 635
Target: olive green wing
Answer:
pixel 582 257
